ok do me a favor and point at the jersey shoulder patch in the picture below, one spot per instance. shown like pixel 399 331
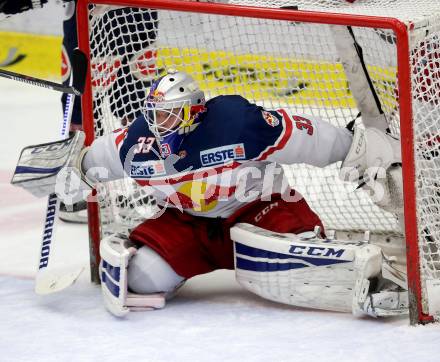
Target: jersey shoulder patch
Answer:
pixel 241 125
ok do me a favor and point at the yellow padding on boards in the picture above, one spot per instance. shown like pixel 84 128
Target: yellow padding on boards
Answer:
pixel 30 54
pixel 312 82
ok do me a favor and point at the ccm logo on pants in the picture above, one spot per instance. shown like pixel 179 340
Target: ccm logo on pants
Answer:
pixel 264 212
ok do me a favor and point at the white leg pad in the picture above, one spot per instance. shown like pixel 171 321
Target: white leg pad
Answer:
pixel 307 272
pixel 116 251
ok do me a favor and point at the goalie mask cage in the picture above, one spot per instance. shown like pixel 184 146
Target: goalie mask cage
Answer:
pixel 281 58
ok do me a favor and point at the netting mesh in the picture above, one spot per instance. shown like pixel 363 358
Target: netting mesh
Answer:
pixel 275 64
pixel 404 10
pixel 425 61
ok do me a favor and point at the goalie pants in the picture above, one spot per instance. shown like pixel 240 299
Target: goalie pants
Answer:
pixel 196 245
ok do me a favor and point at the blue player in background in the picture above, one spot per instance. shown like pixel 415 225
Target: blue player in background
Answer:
pixel 128 91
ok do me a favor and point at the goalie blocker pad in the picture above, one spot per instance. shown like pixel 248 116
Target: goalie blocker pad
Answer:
pixel 38 165
pixel 314 273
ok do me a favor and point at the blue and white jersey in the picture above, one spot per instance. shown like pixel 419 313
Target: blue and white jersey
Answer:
pixel 230 158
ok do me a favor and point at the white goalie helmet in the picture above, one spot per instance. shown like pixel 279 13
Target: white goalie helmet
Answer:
pixel 172 104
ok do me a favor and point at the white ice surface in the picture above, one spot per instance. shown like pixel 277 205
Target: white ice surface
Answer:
pixel 212 319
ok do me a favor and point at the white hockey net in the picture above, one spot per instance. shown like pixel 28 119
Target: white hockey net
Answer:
pixel 277 64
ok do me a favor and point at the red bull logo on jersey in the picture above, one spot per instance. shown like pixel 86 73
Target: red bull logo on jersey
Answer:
pixel 199 196
pixel 147 169
pixel 219 155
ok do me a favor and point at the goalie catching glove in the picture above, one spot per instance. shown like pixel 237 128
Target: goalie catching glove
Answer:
pixel 374 160
pixel 54 167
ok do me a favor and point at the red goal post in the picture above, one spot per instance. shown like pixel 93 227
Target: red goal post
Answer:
pixel 397 91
